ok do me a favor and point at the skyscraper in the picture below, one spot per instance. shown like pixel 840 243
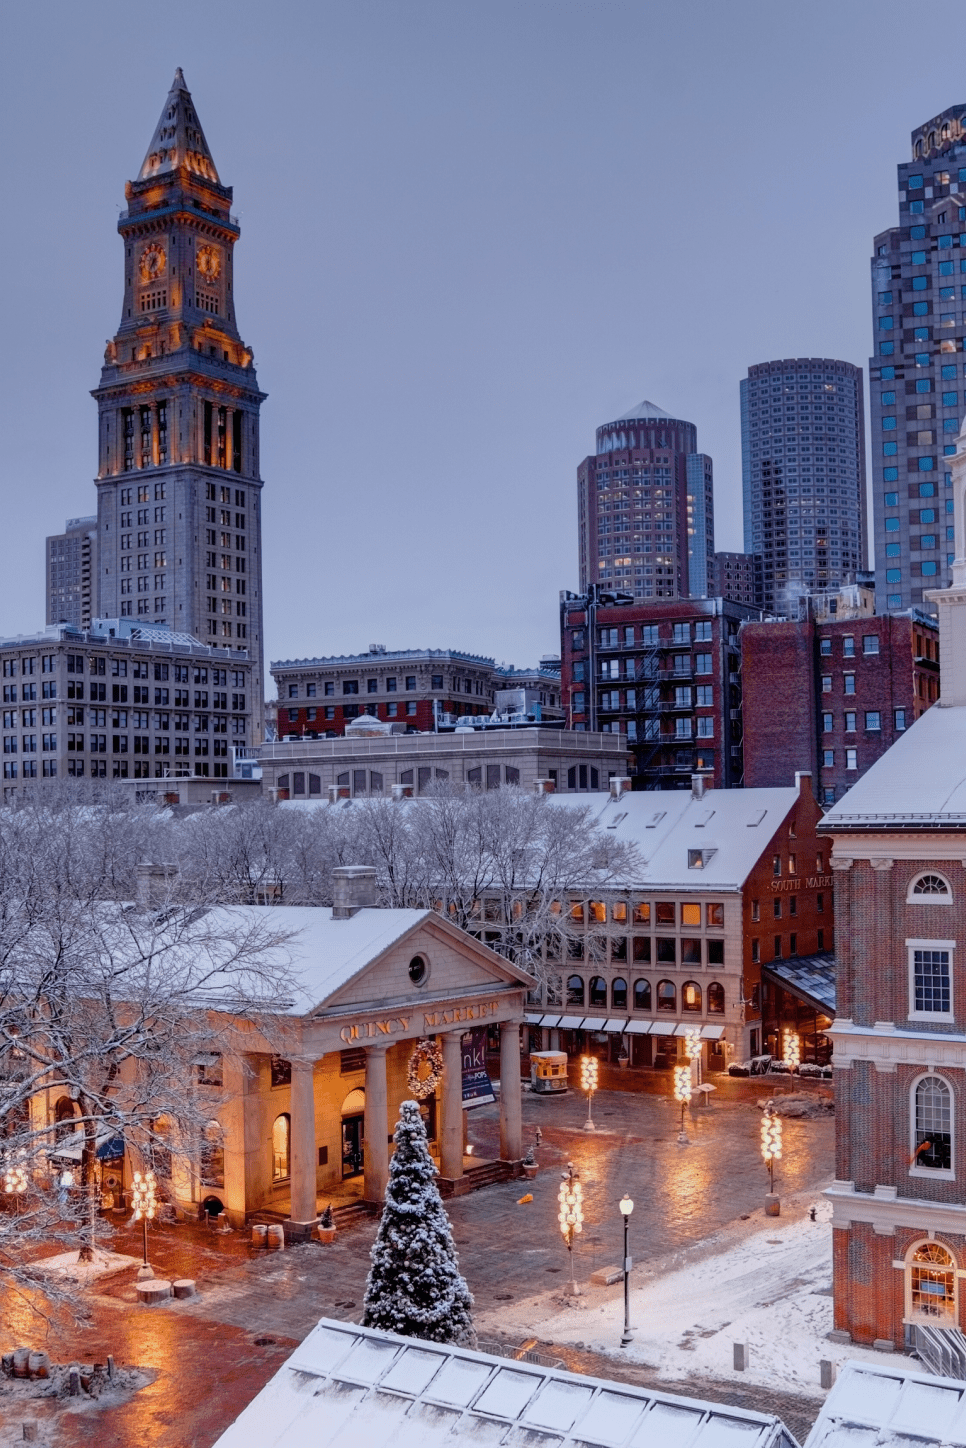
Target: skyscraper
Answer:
pixel 72 573
pixel 917 373
pixel 178 484
pixel 803 475
pixel 645 506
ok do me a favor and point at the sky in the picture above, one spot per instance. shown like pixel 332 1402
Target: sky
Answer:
pixel 470 233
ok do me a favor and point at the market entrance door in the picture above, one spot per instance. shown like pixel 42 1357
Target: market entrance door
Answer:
pixel 353 1159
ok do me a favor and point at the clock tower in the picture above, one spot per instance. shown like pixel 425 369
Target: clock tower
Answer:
pixel 178 483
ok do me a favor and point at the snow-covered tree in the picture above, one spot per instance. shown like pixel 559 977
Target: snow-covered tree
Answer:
pixel 415 1286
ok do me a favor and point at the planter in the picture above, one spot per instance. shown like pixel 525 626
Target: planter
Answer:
pixel 623 1062
pixel 530 1171
pixel 326 1234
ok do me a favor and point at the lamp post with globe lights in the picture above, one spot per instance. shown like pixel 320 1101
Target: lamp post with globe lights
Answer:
pixel 792 1050
pixel 627 1206
pixel 570 1216
pixel 144 1201
pixel 15 1182
pixel 771 1151
pixel 682 1093
pixel 588 1083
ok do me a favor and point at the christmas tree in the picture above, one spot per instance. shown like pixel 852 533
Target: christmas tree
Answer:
pixel 415 1286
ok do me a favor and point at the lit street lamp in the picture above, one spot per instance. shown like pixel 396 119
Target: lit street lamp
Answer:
pixel 588 1083
pixel 771 1144
pixel 626 1206
pixel 145 1203
pixel 792 1050
pixel 15 1182
pixel 571 1216
pixel 682 1093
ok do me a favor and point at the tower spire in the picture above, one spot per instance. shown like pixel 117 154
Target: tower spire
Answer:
pixel 178 139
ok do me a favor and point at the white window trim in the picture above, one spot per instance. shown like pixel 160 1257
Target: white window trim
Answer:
pixel 911 947
pixel 912 899
pixel 908 1264
pixel 929 1173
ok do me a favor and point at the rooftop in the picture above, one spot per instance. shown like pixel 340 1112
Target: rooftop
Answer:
pixel 920 783
pixel 352 1384
pixel 646 412
pixel 380 656
pixel 891 1407
pixel 124 632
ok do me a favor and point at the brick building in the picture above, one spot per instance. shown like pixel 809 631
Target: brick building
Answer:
pixel 665 674
pixel 832 694
pixel 120 701
pixel 898 856
pixel 733 884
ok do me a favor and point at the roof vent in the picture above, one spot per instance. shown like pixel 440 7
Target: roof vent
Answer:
pixel 619 784
pixel 698 785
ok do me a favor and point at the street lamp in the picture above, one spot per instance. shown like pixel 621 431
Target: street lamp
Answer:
pixel 626 1206
pixel 588 1083
pixel 145 1203
pixel 15 1182
pixel 571 1216
pixel 682 1093
pixel 792 1051
pixel 771 1141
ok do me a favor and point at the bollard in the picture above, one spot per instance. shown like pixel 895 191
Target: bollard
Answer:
pixel 826 1373
pixel 30 1430
pixel 184 1287
pixel 73 1373
pixel 276 1235
pixel 740 1356
pixel 21 1362
pixel 110 1367
pixel 38 1365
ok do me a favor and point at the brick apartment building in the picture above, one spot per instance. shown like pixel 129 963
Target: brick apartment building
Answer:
pixel 833 694
pixel 665 674
pixel 120 701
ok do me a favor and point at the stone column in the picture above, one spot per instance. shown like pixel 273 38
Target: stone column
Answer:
pixel 303 1146
pixel 451 1130
pixel 376 1169
pixel 229 437
pixel 511 1123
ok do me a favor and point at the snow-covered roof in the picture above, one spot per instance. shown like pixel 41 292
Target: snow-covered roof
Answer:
pixel 730 826
pixel 349 1384
pixel 890 1407
pixel 919 783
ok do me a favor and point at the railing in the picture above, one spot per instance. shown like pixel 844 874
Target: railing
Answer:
pixel 942 1349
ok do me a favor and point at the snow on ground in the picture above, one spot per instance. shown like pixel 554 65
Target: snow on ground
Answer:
pixel 67 1267
pixel 769 1288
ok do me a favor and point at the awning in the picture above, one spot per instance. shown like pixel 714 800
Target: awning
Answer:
pixel 550 1021
pixel 616 1023
pixel 531 1019
pixel 570 1023
pixel 684 1028
pixel 663 1028
pixel 109 1144
pixel 639 1028
pixel 712 1033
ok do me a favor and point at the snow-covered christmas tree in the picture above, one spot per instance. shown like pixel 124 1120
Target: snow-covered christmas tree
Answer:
pixel 414 1285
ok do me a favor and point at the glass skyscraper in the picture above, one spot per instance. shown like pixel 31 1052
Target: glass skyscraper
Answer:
pixel 917 374
pixel 803 476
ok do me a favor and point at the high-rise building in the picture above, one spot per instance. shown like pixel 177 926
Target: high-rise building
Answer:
pixel 738 576
pixel 72 572
pixel 646 508
pixel 178 483
pixel 803 475
pixel 917 373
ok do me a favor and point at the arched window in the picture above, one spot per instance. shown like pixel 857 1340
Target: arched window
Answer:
pixel 691 996
pixel 213 1156
pixel 933 1124
pixel 944 133
pixel 930 890
pixel 931 140
pixel 618 993
pixel 63 1118
pixel 667 996
pixel 716 999
pixel 918 149
pixel 598 990
pixel 931 1283
pixel 281 1147
pixel 575 990
pixel 642 995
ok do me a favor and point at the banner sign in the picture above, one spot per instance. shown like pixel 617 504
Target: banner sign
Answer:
pixel 477 1087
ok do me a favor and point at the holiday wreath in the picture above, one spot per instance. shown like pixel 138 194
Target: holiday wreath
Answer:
pixel 428 1053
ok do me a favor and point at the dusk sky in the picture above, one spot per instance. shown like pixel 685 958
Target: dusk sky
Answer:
pixel 469 234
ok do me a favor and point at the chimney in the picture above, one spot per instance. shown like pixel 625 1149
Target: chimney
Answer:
pixel 619 784
pixel 402 791
pixel 337 792
pixel 544 786
pixel 154 884
pixel 698 783
pixel 353 889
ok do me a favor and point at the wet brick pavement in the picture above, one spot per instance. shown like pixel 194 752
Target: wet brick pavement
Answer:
pixel 203 1353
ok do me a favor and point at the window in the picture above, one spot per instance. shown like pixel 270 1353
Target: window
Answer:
pixel 665 912
pixel 702 663
pixel 642 995
pixel 930 992
pixel 851 759
pixel 828 723
pixel 870 642
pixel 932 1145
pixel 873 719
pixel 850 721
pixel 667 996
pixel 410 681
pixel 281 1139
pixel 714 914
pixel 618 993
pixel 716 999
pixel 691 996
pixel 931 1284
pixel 825 646
pixel 575 990
pixel 930 889
pixel 826 683
pixel 848 646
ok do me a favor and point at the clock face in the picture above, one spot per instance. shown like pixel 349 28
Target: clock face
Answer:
pixel 152 262
pixel 209 263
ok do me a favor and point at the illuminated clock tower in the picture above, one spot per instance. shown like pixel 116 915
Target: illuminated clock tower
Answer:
pixel 178 484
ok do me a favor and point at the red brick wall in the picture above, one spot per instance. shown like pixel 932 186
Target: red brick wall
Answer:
pixel 778 685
